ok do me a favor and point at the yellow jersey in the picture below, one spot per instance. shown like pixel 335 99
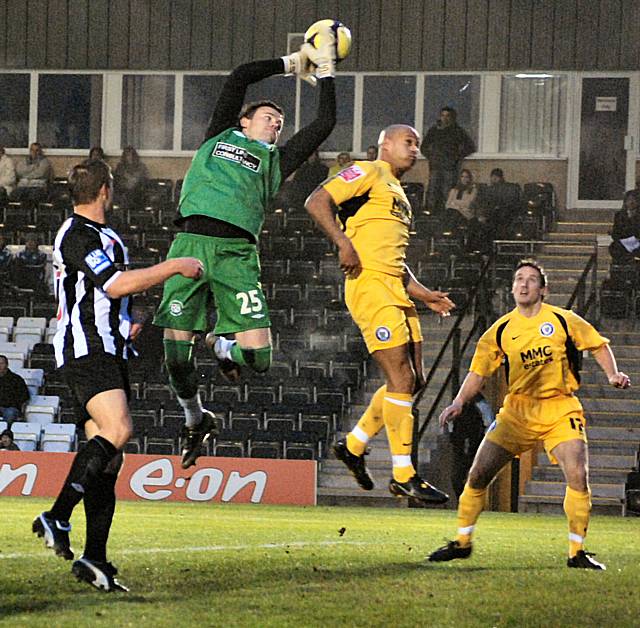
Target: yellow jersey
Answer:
pixel 541 354
pixel 374 213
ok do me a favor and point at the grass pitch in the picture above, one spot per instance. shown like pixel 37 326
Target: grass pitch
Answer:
pixel 228 565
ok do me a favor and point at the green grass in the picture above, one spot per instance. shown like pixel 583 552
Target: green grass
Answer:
pixel 227 565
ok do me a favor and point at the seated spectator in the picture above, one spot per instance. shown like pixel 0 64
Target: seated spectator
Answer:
pixel 13 392
pixel 29 265
pixel 372 153
pixel 306 179
pixel 342 161
pixel 6 441
pixel 460 203
pixel 96 152
pixel 34 175
pixel 5 257
pixel 501 202
pixel 7 176
pixel 626 230
pixel 130 180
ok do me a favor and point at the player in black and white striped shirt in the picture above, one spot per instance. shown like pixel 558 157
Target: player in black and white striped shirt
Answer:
pixel 94 329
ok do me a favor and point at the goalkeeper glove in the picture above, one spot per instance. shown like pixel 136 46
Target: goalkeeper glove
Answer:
pixel 298 63
pixel 324 57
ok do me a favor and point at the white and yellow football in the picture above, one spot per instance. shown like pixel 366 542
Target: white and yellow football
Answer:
pixel 318 32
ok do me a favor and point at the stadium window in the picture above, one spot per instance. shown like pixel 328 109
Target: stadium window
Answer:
pixel 282 91
pixel 341 139
pixel 532 114
pixel 376 112
pixel 460 91
pixel 69 110
pixel 148 111
pixel 14 110
pixel 200 94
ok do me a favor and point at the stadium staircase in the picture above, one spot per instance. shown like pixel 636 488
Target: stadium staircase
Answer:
pixel 613 416
pixel 336 486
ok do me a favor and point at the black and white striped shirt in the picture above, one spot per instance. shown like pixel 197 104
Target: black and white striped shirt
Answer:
pixel 87 258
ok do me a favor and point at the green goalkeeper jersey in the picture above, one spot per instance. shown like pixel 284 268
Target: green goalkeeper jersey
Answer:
pixel 232 178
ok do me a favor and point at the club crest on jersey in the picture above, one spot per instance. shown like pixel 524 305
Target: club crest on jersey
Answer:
pixel 176 307
pixel 351 173
pixel 97 261
pixel 383 334
pixel 547 329
pixel 237 154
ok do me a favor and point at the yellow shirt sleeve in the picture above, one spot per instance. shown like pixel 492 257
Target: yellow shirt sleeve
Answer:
pixel 583 334
pixel 354 180
pixel 488 356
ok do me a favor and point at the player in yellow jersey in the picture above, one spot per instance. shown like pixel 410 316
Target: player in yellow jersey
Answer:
pixel 540 347
pixel 372 234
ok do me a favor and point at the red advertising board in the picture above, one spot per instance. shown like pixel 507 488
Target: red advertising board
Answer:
pixel 161 478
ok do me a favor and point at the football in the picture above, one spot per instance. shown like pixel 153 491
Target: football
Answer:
pixel 318 31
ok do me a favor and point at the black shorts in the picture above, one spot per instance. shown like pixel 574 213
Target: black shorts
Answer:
pixel 92 375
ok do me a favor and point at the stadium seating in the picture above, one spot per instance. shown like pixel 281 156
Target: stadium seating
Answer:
pixel 26 435
pixel 42 408
pixel 58 437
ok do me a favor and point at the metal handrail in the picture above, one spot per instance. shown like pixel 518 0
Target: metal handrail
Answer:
pixel 458 351
pixel 579 292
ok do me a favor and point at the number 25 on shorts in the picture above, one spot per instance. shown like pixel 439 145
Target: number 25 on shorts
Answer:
pixel 249 302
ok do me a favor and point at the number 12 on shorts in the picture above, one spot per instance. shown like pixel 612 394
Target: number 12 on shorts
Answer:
pixel 249 302
pixel 576 424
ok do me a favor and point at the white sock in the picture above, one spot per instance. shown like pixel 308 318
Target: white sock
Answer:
pixel 192 410
pixel 222 348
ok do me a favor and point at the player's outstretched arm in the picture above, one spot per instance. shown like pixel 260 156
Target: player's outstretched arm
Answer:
pixel 296 151
pixel 607 362
pixel 435 300
pixel 231 97
pixel 322 209
pixel 471 386
pixel 141 279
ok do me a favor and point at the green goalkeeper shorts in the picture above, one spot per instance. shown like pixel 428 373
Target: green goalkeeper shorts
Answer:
pixel 230 282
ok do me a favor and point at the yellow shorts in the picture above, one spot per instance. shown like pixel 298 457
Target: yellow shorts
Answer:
pixel 523 420
pixel 381 308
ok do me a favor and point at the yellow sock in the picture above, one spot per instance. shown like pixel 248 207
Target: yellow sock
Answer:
pixel 398 419
pixel 470 505
pixel 368 426
pixel 577 506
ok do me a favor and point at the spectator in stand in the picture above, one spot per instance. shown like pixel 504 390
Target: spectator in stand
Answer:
pixel 342 161
pixel 96 152
pixel 461 201
pixel 6 441
pixel 306 179
pixel 445 145
pixel 501 202
pixel 5 256
pixel 30 265
pixel 7 176
pixel 626 230
pixel 130 179
pixel 13 392
pixel 372 152
pixel 34 175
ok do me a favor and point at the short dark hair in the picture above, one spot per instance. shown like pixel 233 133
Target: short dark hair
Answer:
pixel 5 358
pixel 250 108
pixel 8 433
pixel 497 172
pixel 451 110
pixel 533 264
pixel 86 179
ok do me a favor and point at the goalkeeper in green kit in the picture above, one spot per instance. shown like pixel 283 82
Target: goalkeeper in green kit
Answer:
pixel 233 176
